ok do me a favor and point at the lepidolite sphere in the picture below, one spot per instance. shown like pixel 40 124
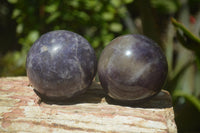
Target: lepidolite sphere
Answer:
pixel 132 68
pixel 61 64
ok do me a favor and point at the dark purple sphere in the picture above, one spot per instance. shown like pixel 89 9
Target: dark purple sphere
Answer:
pixel 60 65
pixel 132 68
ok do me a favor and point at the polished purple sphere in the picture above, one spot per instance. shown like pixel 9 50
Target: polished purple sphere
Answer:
pixel 132 68
pixel 61 64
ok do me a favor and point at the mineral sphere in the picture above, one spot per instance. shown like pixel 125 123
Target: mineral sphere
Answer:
pixel 132 68
pixel 60 65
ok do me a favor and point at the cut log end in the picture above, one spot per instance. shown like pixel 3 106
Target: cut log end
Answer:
pixel 23 111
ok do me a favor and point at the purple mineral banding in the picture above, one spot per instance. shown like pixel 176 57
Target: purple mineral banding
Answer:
pixel 132 68
pixel 60 65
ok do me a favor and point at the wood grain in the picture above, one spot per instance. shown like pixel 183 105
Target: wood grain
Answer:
pixel 22 111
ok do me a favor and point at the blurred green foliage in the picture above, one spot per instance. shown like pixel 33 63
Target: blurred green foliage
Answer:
pixel 191 42
pixel 24 21
pixel 97 21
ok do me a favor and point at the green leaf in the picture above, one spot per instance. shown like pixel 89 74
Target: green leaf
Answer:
pixel 128 1
pixel 107 38
pixel 13 1
pixel 15 63
pixel 115 27
pixel 165 6
pixel 90 4
pixel 83 15
pixel 74 3
pixel 107 16
pixel 95 43
pixel 52 17
pixel 192 99
pixel 16 13
pixel 122 11
pixel 51 8
pixel 186 38
pixel 116 3
pixel 33 36
pixel 19 28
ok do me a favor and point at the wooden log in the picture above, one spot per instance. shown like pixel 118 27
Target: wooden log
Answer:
pixel 22 111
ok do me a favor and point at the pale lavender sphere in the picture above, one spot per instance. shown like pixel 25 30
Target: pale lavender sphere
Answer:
pixel 132 68
pixel 61 64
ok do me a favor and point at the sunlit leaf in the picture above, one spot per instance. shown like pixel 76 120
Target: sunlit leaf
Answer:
pixel 19 28
pixel 74 3
pixel 116 3
pixel 33 36
pixel 16 13
pixel 90 4
pixel 108 16
pixel 12 1
pixel 51 8
pixel 115 27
